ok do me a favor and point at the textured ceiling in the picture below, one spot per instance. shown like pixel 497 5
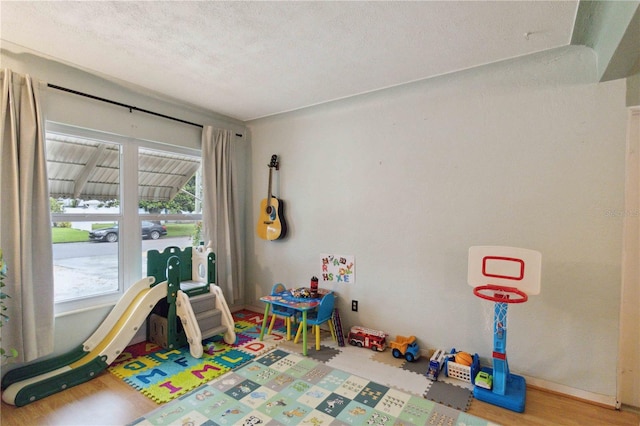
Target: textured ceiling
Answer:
pixel 253 59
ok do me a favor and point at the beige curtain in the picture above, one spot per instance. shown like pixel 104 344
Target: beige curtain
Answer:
pixel 221 224
pixel 25 224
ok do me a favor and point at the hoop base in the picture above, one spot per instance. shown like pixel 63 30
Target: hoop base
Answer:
pixel 514 397
pixel 501 294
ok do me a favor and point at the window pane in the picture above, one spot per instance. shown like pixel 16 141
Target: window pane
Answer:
pixel 168 183
pixel 169 188
pixel 85 269
pixel 83 173
pixel 179 234
pixel 84 189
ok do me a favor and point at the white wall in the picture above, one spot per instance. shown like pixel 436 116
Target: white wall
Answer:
pixel 527 153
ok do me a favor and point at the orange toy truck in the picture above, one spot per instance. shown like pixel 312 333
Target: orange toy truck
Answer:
pixel 407 347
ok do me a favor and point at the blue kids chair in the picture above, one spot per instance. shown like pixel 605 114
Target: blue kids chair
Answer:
pixel 279 311
pixel 318 317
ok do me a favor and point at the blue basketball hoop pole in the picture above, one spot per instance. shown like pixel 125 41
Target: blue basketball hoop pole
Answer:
pixel 509 390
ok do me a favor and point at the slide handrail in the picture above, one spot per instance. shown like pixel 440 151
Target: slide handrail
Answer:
pixel 227 318
pixel 190 324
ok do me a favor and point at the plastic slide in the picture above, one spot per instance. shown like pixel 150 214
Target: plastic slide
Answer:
pixel 38 380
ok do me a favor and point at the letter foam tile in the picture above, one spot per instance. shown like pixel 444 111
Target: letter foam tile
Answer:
pixel 166 374
pixel 133 367
pixel 134 351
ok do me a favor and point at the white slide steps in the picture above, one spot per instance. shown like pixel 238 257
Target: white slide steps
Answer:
pixel 205 316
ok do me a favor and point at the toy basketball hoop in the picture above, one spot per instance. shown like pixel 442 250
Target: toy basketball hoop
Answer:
pixel 500 294
pixel 503 275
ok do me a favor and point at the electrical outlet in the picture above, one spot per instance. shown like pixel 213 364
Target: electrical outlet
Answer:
pixel 354 305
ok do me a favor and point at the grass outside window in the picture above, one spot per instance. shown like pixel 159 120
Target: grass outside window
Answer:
pixel 70 235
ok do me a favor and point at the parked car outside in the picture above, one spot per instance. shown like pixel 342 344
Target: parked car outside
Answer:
pixel 149 230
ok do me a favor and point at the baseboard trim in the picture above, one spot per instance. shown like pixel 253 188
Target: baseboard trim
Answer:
pixel 631 408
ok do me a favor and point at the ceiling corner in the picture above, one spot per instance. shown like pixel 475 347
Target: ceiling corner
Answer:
pixel 612 30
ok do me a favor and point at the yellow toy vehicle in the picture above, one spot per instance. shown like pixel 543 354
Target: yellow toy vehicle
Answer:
pixel 406 346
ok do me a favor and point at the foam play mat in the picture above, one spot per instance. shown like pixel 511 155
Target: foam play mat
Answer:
pixel 286 388
pixel 163 375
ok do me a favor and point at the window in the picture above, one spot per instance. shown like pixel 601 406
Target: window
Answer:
pixel 112 199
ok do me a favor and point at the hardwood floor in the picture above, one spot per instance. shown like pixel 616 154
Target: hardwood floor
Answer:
pixel 544 408
pixel 107 400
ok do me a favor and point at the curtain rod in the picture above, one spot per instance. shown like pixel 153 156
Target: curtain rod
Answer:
pixel 131 108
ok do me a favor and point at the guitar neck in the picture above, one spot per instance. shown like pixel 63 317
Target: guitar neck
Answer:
pixel 269 189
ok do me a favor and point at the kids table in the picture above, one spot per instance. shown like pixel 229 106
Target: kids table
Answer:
pixel 287 300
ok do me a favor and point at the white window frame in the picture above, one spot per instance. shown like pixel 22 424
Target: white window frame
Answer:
pixel 129 243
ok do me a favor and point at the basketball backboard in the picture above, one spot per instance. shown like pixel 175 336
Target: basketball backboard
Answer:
pixel 505 267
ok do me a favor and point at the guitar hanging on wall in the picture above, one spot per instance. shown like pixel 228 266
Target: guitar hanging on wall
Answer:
pixel 271 223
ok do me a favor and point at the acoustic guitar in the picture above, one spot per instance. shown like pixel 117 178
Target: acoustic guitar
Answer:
pixel 271 223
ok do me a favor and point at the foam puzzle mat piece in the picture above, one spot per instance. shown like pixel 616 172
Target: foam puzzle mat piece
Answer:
pixel 386 358
pixel 256 347
pixel 324 354
pixel 419 366
pixel 294 347
pixel 443 416
pixel 134 351
pixel 449 395
pixel 248 316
